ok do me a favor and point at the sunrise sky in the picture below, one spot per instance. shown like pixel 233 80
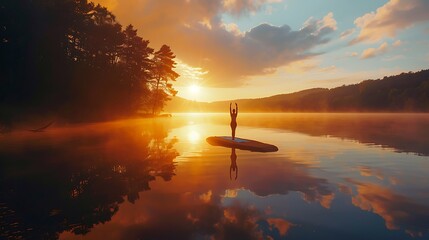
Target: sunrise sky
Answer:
pixel 254 48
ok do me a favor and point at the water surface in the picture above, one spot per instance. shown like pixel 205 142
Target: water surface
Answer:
pixel 335 176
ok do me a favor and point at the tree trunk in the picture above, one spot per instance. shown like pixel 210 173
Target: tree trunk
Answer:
pixel 155 99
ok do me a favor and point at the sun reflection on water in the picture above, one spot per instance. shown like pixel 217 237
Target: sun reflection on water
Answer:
pixel 194 136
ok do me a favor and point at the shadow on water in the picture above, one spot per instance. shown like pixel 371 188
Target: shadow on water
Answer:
pixel 74 181
pixel 233 167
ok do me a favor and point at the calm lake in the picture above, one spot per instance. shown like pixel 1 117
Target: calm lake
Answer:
pixel 335 176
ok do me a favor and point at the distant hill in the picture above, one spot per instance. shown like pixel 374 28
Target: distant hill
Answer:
pixel 406 92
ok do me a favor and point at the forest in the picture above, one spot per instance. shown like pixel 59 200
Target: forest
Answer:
pixel 72 60
pixel 406 92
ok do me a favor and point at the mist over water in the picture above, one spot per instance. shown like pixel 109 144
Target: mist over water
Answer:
pixel 335 176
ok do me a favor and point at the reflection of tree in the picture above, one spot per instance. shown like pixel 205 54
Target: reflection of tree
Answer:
pixel 46 189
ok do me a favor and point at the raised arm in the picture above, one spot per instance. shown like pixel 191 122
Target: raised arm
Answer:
pixel 230 110
pixel 236 108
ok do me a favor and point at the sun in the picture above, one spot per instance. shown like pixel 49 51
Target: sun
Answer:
pixel 194 89
pixel 193 137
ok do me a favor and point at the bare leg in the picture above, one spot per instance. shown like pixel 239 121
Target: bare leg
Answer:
pixel 233 132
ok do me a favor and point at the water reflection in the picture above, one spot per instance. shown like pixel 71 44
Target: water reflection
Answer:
pixel 94 180
pixel 77 180
pixel 186 216
pixel 233 167
pixel 398 211
pixel 403 132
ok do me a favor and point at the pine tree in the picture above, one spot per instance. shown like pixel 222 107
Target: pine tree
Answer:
pixel 163 74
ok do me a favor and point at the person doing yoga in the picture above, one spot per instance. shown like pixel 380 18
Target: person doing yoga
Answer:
pixel 233 113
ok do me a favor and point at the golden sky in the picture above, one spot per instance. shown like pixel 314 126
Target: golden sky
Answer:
pixel 254 48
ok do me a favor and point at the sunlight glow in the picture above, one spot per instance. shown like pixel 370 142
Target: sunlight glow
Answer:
pixel 194 137
pixel 190 81
pixel 194 89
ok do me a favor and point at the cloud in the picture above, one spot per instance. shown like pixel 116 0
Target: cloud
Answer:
pixel 233 28
pixel 382 49
pixel 347 33
pixel 328 69
pixel 237 7
pixel 397 43
pixel 373 52
pixel 352 54
pixel 189 75
pixel 198 36
pixel 269 10
pixel 389 19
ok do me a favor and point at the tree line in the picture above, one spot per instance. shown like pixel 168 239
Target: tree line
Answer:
pixel 71 59
pixel 406 92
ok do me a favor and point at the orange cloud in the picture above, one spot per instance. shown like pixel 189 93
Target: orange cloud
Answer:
pixel 199 38
pixel 391 18
pixel 373 52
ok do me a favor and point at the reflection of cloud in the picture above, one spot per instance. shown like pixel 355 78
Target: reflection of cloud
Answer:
pixel 398 211
pixel 368 172
pixel 327 200
pixel 206 197
pixel 345 189
pixel 230 193
pixel 282 225
pixel 324 200
pixel 186 217
pixel 199 38
pixel 391 18
pixel 281 177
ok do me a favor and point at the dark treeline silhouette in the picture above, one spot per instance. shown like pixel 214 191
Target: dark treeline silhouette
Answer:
pixel 406 92
pixel 71 59
pixel 79 180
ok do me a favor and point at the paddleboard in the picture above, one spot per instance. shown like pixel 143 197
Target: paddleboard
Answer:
pixel 241 143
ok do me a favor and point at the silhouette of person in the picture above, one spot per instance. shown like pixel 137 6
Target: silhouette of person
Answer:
pixel 233 113
pixel 233 167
